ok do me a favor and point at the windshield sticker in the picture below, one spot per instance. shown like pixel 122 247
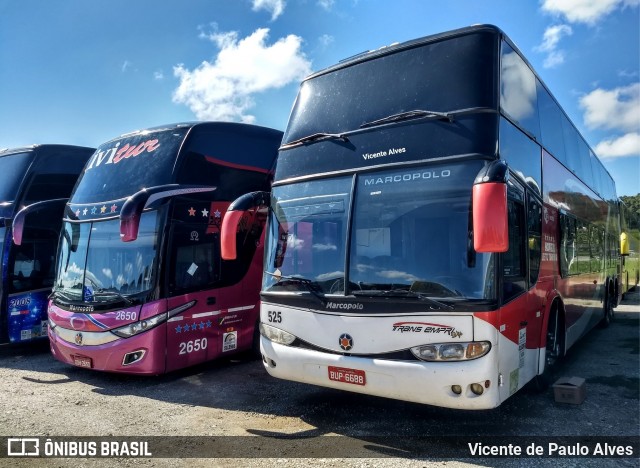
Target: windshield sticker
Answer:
pixel 424 327
pixel 382 154
pixel 192 269
pixel 116 154
pixel 408 177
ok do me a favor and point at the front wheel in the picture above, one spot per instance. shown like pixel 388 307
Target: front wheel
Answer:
pixel 554 350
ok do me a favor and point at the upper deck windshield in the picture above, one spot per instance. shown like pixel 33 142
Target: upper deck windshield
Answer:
pixel 410 236
pixel 451 74
pixel 121 167
pixel 96 267
pixel 13 168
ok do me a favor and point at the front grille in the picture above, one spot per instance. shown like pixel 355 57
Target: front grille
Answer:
pixel 402 355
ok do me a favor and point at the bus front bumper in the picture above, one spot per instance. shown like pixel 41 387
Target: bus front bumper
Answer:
pixel 430 383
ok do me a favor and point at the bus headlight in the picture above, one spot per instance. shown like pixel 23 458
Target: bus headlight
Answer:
pixel 138 327
pixel 451 351
pixel 276 335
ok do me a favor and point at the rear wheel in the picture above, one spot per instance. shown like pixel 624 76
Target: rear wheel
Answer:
pixel 554 350
pixel 607 309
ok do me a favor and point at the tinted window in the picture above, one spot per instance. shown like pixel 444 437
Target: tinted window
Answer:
pixel 568 248
pixel 13 168
pixel 518 91
pixel 121 168
pixel 195 258
pixel 551 125
pixel 451 74
pixel 534 230
pixel 522 154
pixel 514 260
pixel 573 160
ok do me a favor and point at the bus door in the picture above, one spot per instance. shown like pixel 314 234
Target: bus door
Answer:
pixel 193 335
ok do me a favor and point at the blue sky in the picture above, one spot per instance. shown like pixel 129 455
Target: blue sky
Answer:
pixel 83 72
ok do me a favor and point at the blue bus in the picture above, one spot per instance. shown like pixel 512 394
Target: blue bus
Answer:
pixel 35 181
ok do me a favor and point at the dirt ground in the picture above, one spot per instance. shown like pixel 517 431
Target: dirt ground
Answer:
pixel 235 403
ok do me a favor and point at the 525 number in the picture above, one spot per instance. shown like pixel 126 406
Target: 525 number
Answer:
pixel 275 316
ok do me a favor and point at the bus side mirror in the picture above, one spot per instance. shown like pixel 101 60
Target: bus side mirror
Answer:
pixel 20 218
pixel 490 216
pixel 136 203
pixel 624 244
pixel 232 219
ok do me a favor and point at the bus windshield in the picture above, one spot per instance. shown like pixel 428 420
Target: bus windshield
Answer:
pixel 410 234
pixel 432 77
pixel 12 168
pixel 95 266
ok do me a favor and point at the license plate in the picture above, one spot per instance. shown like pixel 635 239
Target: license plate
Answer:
pixel 82 361
pixel 350 376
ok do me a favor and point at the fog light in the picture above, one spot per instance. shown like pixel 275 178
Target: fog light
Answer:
pixel 477 388
pixel 457 389
pixel 131 358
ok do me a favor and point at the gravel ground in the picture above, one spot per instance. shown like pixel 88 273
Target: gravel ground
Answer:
pixel 42 397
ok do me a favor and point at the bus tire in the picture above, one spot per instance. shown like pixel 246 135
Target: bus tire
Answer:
pixel 255 345
pixel 607 309
pixel 555 347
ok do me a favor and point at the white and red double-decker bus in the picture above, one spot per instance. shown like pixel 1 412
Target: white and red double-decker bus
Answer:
pixel 439 231
pixel 140 285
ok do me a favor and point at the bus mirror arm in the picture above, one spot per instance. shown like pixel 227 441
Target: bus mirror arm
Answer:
pixel 20 218
pixel 136 203
pixel 490 217
pixel 233 217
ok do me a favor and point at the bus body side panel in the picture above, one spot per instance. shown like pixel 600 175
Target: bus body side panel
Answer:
pixel 28 315
pixel 220 323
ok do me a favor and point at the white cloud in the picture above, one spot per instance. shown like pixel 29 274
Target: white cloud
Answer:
pixel 549 44
pixel 552 36
pixel 326 40
pixel 125 66
pixel 326 4
pixel 615 109
pixel 585 11
pixel 224 89
pixel 158 75
pixel 275 7
pixel 626 145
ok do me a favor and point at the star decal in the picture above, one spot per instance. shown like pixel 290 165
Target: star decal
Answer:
pixel 94 210
pixel 77 213
pixel 84 212
pixel 217 214
pixel 192 212
pixel 103 209
pixel 114 207
pixel 208 323
pixel 201 325
pixel 178 329
pixel 205 213
pixel 193 327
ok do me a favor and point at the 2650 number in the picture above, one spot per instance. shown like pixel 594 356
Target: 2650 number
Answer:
pixel 193 346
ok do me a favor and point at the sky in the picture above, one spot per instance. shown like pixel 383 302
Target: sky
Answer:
pixel 86 71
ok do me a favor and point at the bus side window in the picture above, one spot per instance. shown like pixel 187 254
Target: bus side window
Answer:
pixel 33 261
pixel 195 259
pixel 568 260
pixel 534 225
pixel 513 261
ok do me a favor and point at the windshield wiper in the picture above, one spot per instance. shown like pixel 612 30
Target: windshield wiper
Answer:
pixel 402 293
pixel 409 115
pixel 311 286
pixel 104 293
pixel 61 297
pixel 315 137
